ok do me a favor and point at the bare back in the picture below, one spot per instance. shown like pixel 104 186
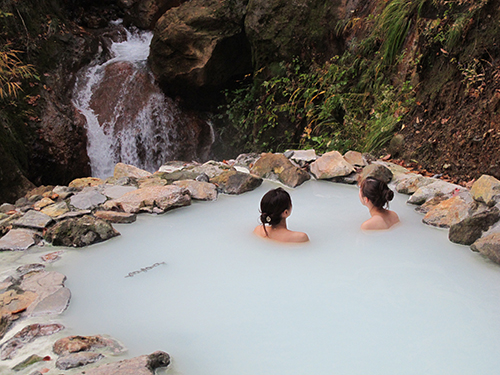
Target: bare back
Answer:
pixel 280 234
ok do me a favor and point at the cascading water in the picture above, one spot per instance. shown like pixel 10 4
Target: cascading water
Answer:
pixel 129 119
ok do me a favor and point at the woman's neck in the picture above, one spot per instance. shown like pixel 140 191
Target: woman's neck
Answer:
pixel 281 225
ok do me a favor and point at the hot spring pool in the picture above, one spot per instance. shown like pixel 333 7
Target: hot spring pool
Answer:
pixel 225 302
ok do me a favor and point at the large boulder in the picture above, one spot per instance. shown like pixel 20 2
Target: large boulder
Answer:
pixel 467 231
pixel 278 167
pixel 87 199
pixel 411 182
pixel 489 246
pixel 199 190
pixel 199 46
pixel 438 187
pixel 80 231
pixel 234 182
pixel 145 13
pixel 151 199
pixel 378 171
pixel 77 360
pixel 125 170
pixel 330 165
pixel 447 213
pixel 487 190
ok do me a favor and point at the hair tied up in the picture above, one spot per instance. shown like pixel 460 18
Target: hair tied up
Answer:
pixel 268 219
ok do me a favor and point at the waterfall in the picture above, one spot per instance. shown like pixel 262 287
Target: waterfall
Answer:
pixel 129 119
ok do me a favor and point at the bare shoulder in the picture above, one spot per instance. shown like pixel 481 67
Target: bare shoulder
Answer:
pixel 259 231
pixel 299 237
pixel 374 223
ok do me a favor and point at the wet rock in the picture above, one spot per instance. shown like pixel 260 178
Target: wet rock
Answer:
pixel 87 199
pixel 125 170
pixel 234 182
pixel 143 365
pixel 33 220
pixel 145 13
pixel 52 297
pixel 44 202
pixel 77 360
pixel 447 213
pixel 117 191
pixel 51 257
pixel 331 165
pixel 278 167
pixel 467 231
pixel 79 232
pixel 199 190
pixel 378 171
pixel 75 344
pixel 56 210
pixel 28 268
pixel 19 240
pixel 410 183
pixel 355 158
pixel 489 246
pixel 146 199
pixel 25 336
pixel 116 217
pixel 12 302
pixel 31 360
pixel 437 187
pixel 487 190
pixel 81 183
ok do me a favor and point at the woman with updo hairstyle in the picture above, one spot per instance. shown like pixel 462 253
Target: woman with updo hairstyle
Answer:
pixel 275 208
pixel 375 195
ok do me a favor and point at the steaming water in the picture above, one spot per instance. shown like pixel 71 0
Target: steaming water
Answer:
pixel 405 301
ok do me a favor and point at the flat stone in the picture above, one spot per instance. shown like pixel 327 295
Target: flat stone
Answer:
pixel 234 182
pixel 31 360
pixel 151 181
pixel 34 220
pixel 173 166
pixel 489 246
pixel 6 207
pixel 467 231
pixel 77 360
pixel 28 268
pixel 55 303
pixel 302 157
pixel 12 302
pixel 170 177
pixel 87 199
pixel 64 191
pixel 43 284
pixel 44 202
pixel 199 190
pixel 355 158
pixel 437 187
pixel 57 209
pixel 18 240
pixel 81 183
pixel 431 203
pixel 143 365
pixel 125 170
pixel 211 168
pixel 447 213
pixel 51 257
pixel 74 344
pixel 73 214
pixel 117 191
pixel 487 190
pixel 145 199
pixel 330 165
pixel 116 217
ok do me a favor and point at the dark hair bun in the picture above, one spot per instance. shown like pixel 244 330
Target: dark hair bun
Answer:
pixel 376 191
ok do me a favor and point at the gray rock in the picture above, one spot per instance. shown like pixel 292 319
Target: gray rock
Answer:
pixel 487 190
pixel 203 178
pixel 410 183
pixel 355 158
pixel 18 240
pixel 199 190
pixel 87 199
pixel 116 217
pixel 247 160
pixel 330 165
pixel 211 168
pixel 143 365
pixel 27 268
pixel 79 232
pixel 303 157
pixel 56 210
pixel 6 207
pixel 438 187
pixel 77 360
pixel 278 167
pixel 64 192
pixel 73 344
pixel 351 179
pixel 489 246
pixel 233 182
pixel 378 171
pixel 34 220
pixel 116 191
pixel 73 214
pixel 55 303
pixel 471 228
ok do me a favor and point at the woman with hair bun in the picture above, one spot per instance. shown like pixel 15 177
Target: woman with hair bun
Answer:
pixel 275 208
pixel 375 195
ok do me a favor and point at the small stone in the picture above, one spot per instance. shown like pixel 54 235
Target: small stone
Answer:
pixel 87 199
pixel 28 268
pixel 13 303
pixel 44 202
pixel 81 183
pixel 143 365
pixel 355 158
pixel 116 217
pixel 18 240
pixel 378 171
pixel 487 190
pixel 77 360
pixel 438 187
pixel 51 257
pixel 467 231
pixel 431 203
pixel 410 183
pixel 199 190
pixel 64 191
pixel 6 207
pixel 74 344
pixel 489 246
pixel 56 209
pixel 31 360
pixel 117 191
pixel 151 181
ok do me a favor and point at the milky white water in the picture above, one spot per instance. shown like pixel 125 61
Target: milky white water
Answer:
pixel 405 301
